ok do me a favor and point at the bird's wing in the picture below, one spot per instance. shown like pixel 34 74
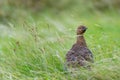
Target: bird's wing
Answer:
pixel 88 54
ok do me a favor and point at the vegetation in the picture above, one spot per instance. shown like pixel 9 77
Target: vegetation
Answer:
pixel 33 45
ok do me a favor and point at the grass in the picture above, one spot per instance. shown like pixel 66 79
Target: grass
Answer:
pixel 35 47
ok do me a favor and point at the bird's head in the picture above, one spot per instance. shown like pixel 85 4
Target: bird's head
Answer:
pixel 81 30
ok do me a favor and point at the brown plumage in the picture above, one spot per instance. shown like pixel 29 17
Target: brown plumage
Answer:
pixel 79 54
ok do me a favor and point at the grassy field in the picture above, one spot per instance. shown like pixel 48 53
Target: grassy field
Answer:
pixel 35 47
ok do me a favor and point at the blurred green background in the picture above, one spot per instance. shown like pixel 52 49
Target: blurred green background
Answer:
pixel 35 36
pixel 15 9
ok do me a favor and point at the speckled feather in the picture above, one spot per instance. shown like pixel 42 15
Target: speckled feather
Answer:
pixel 79 54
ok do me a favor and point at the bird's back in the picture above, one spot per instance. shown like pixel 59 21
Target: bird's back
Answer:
pixel 78 55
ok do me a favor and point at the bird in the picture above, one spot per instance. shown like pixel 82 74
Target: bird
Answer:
pixel 79 55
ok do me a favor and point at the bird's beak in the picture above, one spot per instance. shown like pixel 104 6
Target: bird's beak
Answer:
pixel 85 29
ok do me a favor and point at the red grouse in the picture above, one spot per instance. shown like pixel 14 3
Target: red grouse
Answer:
pixel 79 54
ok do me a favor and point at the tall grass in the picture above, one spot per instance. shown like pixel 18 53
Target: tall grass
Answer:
pixel 35 48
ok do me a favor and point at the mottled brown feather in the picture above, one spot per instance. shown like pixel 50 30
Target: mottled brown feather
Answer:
pixel 79 54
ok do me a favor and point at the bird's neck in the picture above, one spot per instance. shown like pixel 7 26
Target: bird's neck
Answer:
pixel 81 40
